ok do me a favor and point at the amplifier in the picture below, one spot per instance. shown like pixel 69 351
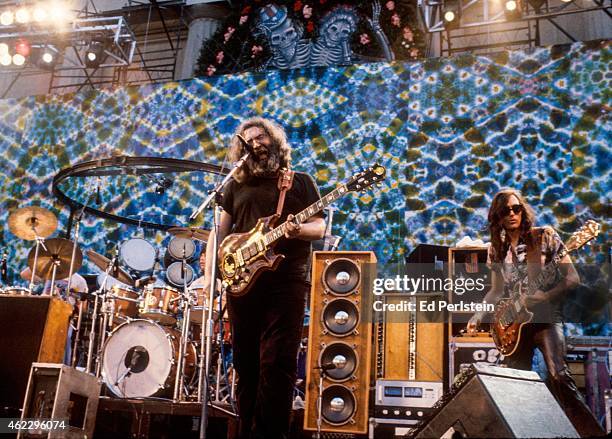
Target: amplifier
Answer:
pixel 405 400
pixel 466 350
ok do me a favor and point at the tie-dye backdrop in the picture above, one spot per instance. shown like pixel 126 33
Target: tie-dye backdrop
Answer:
pixel 450 131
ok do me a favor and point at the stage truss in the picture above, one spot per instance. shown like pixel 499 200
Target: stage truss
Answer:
pixel 484 28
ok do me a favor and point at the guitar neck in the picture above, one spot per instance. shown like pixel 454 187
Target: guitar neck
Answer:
pixel 311 210
pixel 542 277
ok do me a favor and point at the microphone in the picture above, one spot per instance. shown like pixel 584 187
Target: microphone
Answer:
pixel 246 145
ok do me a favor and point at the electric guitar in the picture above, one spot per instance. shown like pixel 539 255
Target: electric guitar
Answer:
pixel 510 315
pixel 244 256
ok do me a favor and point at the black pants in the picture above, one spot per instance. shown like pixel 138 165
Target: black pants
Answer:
pixel 266 331
pixel 549 339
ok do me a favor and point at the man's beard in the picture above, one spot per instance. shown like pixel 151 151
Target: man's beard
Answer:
pixel 264 168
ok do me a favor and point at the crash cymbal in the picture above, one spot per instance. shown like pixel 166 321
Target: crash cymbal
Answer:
pixel 190 233
pixel 102 263
pixel 58 252
pixel 22 222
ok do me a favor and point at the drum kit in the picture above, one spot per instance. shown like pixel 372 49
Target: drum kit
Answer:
pixel 144 337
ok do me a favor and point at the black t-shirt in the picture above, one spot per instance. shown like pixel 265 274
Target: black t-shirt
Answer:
pixel 257 198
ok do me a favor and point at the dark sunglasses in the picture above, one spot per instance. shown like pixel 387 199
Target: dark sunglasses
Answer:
pixel 516 209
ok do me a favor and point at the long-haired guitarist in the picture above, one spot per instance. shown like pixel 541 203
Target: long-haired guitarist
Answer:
pixel 518 251
pixel 267 321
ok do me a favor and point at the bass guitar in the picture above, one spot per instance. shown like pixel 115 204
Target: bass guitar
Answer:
pixel 244 256
pixel 511 315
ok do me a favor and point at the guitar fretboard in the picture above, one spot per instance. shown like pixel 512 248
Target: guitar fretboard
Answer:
pixel 311 210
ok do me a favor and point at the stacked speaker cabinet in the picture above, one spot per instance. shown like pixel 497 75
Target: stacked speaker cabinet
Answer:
pixel 340 338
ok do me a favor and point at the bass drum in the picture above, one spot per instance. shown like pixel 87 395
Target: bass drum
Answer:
pixel 139 360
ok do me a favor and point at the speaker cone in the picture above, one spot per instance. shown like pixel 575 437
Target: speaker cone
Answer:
pixel 338 405
pixel 340 317
pixel 341 276
pixel 343 357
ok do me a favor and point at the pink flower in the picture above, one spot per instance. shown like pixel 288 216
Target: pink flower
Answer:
pixel 390 5
pixel 211 70
pixel 408 35
pixel 395 20
pixel 364 39
pixel 307 11
pixel 256 50
pixel 228 34
pixel 219 57
pixel 243 19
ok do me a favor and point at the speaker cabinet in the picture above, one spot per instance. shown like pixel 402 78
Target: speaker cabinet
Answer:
pixel 59 392
pixel 340 334
pixel 494 402
pixel 34 328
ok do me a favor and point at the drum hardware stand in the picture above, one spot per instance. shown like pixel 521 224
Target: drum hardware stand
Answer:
pixel 178 382
pixel 94 317
pixel 77 335
pixel 207 329
pixel 40 241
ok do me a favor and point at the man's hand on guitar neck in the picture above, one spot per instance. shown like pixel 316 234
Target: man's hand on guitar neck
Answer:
pixel 529 300
pixel 313 228
pixel 293 229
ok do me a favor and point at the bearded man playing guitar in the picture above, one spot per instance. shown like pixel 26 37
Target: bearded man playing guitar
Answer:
pixel 517 252
pixel 267 321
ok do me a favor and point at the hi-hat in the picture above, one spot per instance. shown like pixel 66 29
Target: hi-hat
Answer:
pixel 58 253
pixel 30 221
pixel 190 233
pixel 102 262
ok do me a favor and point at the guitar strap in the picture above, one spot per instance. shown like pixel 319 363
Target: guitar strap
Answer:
pixel 534 255
pixel 285 181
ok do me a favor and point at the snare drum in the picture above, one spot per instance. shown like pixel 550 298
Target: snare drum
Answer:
pixel 161 303
pixel 137 254
pixel 125 303
pixel 139 360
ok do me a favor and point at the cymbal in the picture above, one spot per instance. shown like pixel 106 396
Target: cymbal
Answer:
pixel 190 233
pixel 102 263
pixel 58 252
pixel 21 222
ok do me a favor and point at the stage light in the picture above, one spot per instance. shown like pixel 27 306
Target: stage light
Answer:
pixel 59 13
pixel 94 53
pixel 451 14
pixel 47 57
pixel 6 18
pixel 512 9
pixel 39 14
pixel 6 59
pixel 4 48
pixel 22 15
pixel 23 48
pixel 18 59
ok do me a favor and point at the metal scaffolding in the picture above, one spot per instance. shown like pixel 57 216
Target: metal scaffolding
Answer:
pixel 484 27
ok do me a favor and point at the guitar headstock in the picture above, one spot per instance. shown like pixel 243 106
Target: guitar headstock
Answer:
pixel 586 233
pixel 366 178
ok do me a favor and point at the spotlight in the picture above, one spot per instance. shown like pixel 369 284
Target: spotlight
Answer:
pixel 23 48
pixel 6 59
pixel 18 59
pixel 4 48
pixel 451 14
pixel 45 57
pixel 6 18
pixel 39 14
pixel 59 13
pixel 512 9
pixel 94 53
pixel 22 16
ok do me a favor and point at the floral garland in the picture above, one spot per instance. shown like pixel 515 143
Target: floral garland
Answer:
pixel 237 46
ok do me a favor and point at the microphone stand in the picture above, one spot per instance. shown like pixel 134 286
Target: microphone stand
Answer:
pixel 207 327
